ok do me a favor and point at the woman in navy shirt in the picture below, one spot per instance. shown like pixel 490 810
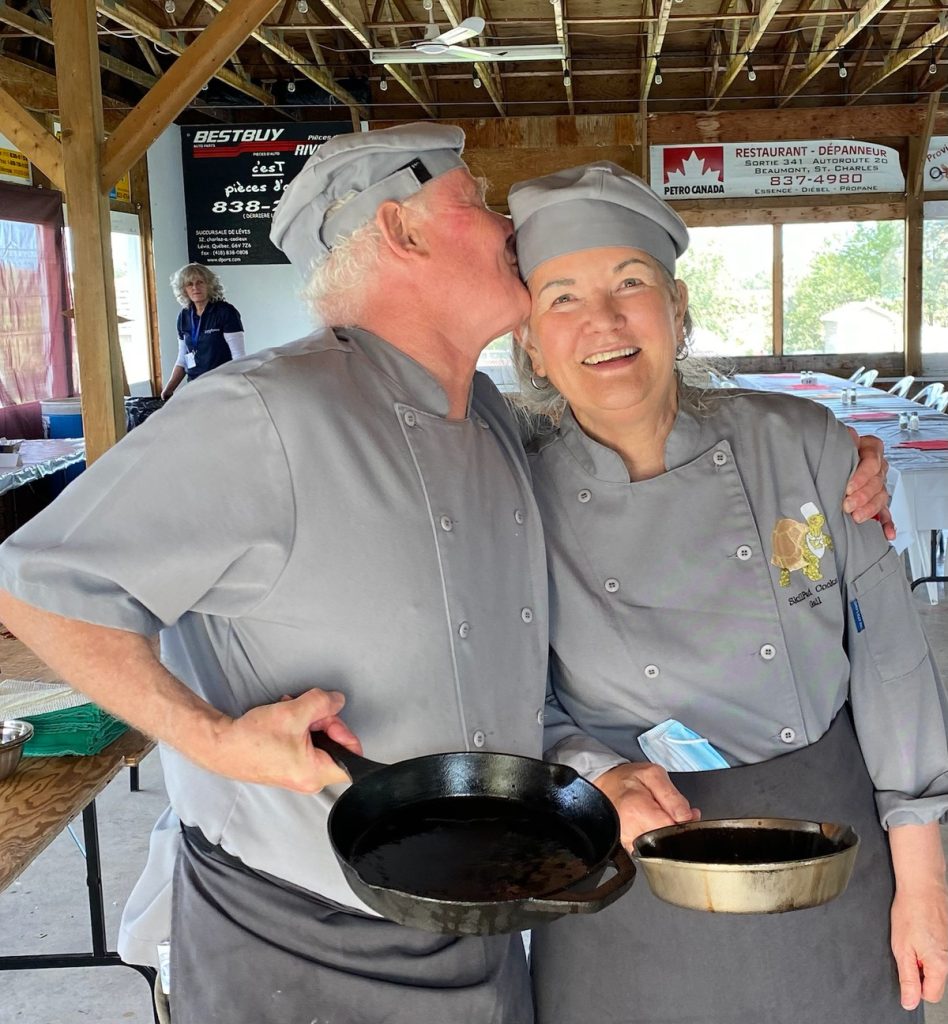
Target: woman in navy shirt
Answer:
pixel 210 331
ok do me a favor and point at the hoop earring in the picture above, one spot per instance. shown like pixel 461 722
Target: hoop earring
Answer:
pixel 682 351
pixel 539 383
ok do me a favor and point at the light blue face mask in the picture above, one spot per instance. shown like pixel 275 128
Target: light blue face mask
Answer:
pixel 679 749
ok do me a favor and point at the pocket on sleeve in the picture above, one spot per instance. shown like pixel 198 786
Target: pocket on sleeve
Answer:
pixel 882 617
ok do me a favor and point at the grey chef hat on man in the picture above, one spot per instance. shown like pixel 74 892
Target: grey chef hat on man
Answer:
pixel 365 169
pixel 590 207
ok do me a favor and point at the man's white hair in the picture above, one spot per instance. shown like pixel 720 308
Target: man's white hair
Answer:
pixel 335 290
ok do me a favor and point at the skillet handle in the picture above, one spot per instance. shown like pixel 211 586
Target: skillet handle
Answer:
pixel 595 900
pixel 357 767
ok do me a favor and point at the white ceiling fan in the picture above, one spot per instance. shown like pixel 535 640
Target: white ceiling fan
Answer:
pixel 443 47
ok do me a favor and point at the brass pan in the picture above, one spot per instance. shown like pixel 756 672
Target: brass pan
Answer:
pixel 748 865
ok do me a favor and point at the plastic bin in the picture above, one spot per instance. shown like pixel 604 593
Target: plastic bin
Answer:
pixel 62 417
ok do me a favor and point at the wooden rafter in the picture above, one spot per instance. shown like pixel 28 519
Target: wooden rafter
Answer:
pixel 656 37
pixel 141 26
pixel 204 57
pixel 356 28
pixel 768 9
pixel 916 175
pixel 896 61
pixel 273 44
pixel 793 29
pixel 31 138
pixel 405 14
pixel 453 13
pixel 864 14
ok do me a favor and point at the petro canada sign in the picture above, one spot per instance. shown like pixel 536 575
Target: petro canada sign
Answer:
pixel 732 170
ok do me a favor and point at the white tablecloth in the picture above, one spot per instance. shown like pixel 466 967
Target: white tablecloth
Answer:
pixel 918 479
pixel 40 458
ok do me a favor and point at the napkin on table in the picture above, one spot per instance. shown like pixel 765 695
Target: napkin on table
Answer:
pixel 934 445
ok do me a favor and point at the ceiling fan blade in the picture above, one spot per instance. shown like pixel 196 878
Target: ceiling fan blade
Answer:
pixel 465 30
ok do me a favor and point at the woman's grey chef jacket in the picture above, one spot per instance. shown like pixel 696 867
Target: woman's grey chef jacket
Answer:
pixel 338 532
pixel 665 602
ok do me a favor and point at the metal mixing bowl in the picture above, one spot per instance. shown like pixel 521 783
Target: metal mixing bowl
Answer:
pixel 748 865
pixel 13 735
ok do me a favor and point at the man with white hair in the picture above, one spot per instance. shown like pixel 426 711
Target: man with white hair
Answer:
pixel 363 523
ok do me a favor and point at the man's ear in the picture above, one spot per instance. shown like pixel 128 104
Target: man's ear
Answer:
pixel 400 229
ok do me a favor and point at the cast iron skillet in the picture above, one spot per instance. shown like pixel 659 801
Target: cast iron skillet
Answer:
pixel 474 843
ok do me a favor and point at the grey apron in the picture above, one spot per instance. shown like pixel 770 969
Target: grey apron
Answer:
pixel 642 961
pixel 283 956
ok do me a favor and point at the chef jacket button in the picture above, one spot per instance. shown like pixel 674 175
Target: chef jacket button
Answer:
pixel 479 738
pixel 464 630
pixel 518 515
pixel 526 614
pixel 540 716
pixel 651 671
pixel 446 524
pixel 584 495
pixel 744 552
pixel 719 458
pixel 768 652
pixel 409 418
pixel 611 585
pixel 788 735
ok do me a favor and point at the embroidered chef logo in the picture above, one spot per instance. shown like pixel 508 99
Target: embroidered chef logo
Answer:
pixel 799 545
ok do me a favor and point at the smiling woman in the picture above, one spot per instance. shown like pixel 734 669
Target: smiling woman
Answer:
pixel 703 573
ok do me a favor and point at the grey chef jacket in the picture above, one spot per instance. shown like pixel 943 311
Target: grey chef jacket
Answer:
pixel 665 602
pixel 323 524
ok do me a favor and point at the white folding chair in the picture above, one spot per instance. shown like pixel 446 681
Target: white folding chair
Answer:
pixel 901 387
pixel 867 379
pixel 853 376
pixel 929 394
pixel 941 403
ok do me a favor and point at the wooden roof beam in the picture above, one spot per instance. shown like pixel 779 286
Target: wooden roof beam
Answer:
pixel 31 139
pixel 274 43
pixel 897 61
pixel 656 37
pixel 818 61
pixel 133 21
pixel 453 13
pixel 178 86
pixel 355 26
pixel 915 184
pixel 768 9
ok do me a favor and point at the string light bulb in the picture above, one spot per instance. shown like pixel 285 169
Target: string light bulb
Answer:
pixel 933 67
pixel 291 86
pixel 475 81
pixel 566 77
pixel 751 73
pixel 657 77
pixel 302 6
pixel 169 6
pixel 383 84
pixel 843 72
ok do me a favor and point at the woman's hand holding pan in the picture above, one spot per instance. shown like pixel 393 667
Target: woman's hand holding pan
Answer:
pixel 645 798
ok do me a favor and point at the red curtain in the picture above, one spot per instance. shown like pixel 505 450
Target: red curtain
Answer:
pixel 35 337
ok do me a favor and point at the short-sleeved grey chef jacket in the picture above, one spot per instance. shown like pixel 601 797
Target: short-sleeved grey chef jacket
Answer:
pixel 308 517
pixel 665 602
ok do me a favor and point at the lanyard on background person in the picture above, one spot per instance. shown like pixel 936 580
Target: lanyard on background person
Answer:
pixel 195 328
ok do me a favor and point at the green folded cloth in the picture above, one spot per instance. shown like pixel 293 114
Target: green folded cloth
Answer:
pixel 64 721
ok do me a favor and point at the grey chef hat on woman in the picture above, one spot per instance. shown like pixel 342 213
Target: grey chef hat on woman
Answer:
pixel 365 169
pixel 590 207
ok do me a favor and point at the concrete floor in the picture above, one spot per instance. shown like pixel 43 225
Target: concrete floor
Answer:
pixel 45 910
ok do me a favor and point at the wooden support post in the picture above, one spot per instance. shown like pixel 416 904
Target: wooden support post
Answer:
pixel 777 279
pixel 913 278
pixel 83 132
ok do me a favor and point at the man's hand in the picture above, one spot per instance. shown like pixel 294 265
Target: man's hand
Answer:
pixel 271 744
pixel 866 496
pixel 645 798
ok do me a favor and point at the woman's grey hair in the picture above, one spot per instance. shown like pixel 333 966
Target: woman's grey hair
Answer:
pixel 335 291
pixel 215 290
pixel 539 397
